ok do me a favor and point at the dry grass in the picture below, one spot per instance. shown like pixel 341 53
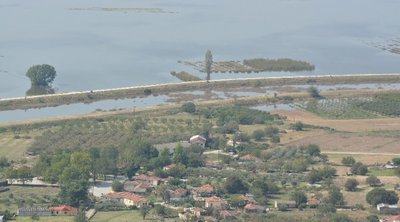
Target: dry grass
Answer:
pixel 359 125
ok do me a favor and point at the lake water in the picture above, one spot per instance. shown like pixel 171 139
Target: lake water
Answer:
pixel 141 42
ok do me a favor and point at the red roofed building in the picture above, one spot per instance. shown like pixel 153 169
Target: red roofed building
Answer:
pixel 391 219
pixel 204 190
pixel 126 198
pixel 227 215
pixel 166 168
pixel 252 208
pixel 63 210
pixel 151 180
pixel 215 202
pixel 249 157
pixel 198 140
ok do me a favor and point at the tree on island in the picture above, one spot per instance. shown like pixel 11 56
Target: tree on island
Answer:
pixel 41 75
pixel 208 64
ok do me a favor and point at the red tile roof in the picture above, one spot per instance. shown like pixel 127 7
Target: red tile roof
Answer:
pixel 64 208
pixel 204 189
pixel 393 218
pixel 250 207
pixel 214 200
pixel 197 138
pixel 146 178
pixel 125 195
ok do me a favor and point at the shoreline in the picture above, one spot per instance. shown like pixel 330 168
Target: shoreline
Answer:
pixel 53 100
pixel 258 100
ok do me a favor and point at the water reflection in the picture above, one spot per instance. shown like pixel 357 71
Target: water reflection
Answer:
pixel 39 90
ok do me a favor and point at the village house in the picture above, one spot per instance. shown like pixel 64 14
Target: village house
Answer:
pixel 285 203
pixel 313 202
pixel 227 215
pixel 169 167
pixel 387 208
pixel 198 140
pixel 197 211
pixel 142 188
pixel 64 210
pixel 186 216
pixel 214 202
pixel 32 211
pixel 178 194
pixel 151 180
pixel 252 208
pixel 128 199
pixel 391 219
pixel 203 191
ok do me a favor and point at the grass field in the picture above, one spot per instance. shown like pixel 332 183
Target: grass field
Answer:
pixel 13 148
pixel 123 216
pixel 47 219
pixel 25 196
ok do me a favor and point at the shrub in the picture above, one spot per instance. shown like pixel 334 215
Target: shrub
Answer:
pixel 373 181
pixel 189 107
pixel 351 185
pixel 258 134
pixel 314 92
pixel 359 169
pixel 117 186
pixel 348 161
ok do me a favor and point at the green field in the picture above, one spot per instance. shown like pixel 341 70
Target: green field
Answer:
pixel 12 148
pixel 25 196
pixel 47 219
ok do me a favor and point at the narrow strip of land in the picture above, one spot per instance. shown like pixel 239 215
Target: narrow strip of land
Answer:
pixel 40 101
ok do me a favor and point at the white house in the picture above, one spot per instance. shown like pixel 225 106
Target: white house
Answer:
pixel 198 140
pixel 382 206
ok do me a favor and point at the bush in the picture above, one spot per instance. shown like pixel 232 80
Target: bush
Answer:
pixel 117 186
pixel 351 185
pixel 359 169
pixel 314 92
pixel 298 126
pixel 373 181
pixel 189 107
pixel 258 134
pixel 348 161
pixel 373 218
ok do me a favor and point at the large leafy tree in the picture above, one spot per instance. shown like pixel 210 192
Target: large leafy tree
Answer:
pixel 41 75
pixel 380 195
pixel 234 184
pixel 74 186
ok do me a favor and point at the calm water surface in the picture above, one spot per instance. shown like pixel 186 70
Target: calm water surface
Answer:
pixel 93 49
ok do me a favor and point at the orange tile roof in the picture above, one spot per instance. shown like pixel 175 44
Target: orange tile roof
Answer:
pixel 250 206
pixel 214 200
pixel 204 189
pixel 146 178
pixel 125 195
pixel 64 208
